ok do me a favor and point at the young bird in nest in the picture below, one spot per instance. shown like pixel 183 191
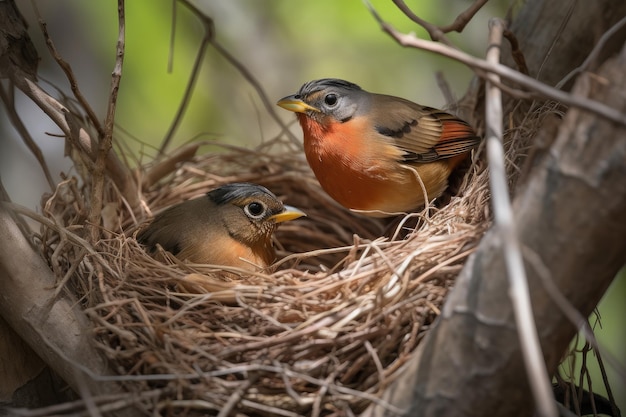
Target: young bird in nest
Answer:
pixel 231 226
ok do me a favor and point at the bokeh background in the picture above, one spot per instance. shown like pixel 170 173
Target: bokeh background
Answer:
pixel 282 43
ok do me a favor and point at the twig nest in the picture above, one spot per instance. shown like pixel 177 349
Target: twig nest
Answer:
pixel 328 329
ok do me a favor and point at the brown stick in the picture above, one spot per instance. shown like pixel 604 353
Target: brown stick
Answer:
pixel 106 141
pixel 437 33
pixel 69 74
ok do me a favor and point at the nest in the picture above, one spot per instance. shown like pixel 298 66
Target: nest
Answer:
pixel 323 334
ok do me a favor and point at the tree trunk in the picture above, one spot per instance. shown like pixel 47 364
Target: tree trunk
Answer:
pixel 570 215
pixel 55 328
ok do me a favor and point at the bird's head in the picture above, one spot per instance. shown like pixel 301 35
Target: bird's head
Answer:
pixel 251 212
pixel 327 100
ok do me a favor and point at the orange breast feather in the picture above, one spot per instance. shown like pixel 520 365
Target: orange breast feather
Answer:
pixel 357 166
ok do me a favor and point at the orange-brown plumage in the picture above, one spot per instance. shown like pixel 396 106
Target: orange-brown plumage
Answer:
pixel 370 151
pixel 231 226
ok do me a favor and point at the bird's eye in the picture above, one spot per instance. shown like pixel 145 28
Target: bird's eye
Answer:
pixel 330 99
pixel 255 209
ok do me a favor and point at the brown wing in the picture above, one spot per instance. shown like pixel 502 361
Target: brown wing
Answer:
pixel 424 133
pixel 178 227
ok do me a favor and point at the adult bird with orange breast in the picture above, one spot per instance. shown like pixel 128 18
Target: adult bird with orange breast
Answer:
pixel 231 225
pixel 377 154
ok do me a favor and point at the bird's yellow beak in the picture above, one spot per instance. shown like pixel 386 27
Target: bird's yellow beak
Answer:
pixel 295 105
pixel 290 213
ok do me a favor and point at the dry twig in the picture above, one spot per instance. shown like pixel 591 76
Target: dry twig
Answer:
pixel 437 33
pixel 105 145
pixel 503 218
pixel 209 39
pixel 16 121
pixel 69 74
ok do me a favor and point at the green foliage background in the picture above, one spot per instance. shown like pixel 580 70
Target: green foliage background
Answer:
pixel 282 43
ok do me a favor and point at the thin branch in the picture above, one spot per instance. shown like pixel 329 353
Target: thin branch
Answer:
pixel 437 33
pixel 445 89
pixel 269 105
pixel 209 39
pixel 564 305
pixel 465 17
pixel 481 67
pixel 434 31
pixel 9 104
pixel 106 141
pixel 536 370
pixel 516 52
pixel 594 52
pixel 209 33
pixel 65 120
pixel 607 385
pixel 557 36
pixel 67 69
pixel 170 58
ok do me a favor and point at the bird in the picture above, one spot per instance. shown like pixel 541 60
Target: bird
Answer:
pixel 377 154
pixel 231 225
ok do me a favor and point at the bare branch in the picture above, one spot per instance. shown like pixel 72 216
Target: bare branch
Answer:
pixel 16 65
pixel 106 141
pixel 209 38
pixel 67 69
pixel 437 33
pixel 209 33
pixel 267 103
pixel 434 31
pixel 465 17
pixel 573 315
pixel 557 36
pixel 616 28
pixel 16 121
pixel 445 89
pixel 168 165
pixel 516 53
pixel 503 215
pixel 482 67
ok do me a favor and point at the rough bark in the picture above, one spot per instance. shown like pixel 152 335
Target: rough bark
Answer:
pixel 56 329
pixel 470 364
pixel 18 362
pixel 551 49
pixel 570 213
